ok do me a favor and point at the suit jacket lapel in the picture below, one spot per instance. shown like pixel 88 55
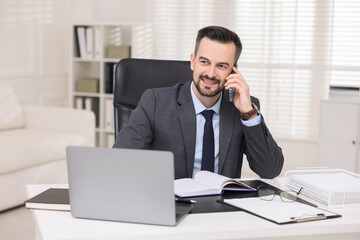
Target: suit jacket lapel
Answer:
pixel 226 130
pixel 187 118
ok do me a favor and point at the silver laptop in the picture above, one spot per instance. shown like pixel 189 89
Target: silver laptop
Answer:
pixel 123 185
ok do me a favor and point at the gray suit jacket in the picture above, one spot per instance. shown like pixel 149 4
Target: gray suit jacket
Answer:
pixel 165 120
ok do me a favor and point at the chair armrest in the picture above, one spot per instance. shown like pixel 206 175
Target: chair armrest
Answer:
pixel 61 119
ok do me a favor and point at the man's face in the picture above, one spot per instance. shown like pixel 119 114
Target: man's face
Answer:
pixel 211 65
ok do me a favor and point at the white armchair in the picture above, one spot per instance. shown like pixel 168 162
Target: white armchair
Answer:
pixel 35 152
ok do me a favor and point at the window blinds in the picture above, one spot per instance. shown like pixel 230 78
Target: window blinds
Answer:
pixel 292 51
pixel 345 51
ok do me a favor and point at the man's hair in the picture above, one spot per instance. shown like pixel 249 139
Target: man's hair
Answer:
pixel 220 34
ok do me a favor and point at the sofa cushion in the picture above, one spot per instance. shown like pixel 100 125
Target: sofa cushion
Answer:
pixel 23 148
pixel 11 114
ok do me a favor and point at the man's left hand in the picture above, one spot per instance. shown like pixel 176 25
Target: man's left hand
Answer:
pixel 242 100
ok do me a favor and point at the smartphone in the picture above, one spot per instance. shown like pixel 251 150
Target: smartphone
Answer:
pixel 232 90
pixel 231 94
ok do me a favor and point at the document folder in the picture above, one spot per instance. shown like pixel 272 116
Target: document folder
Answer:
pixel 280 212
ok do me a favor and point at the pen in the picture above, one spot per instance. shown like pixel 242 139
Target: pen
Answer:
pixel 185 200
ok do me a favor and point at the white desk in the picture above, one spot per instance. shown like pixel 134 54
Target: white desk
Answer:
pixel 226 225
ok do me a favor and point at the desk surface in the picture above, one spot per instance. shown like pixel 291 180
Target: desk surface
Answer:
pixel 223 225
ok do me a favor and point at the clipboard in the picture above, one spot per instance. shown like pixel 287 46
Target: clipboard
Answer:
pixel 280 212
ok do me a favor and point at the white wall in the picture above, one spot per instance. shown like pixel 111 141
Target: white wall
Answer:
pixel 33 48
pixel 297 154
pixel 111 10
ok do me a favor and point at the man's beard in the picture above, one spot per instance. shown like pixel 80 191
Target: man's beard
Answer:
pixel 206 92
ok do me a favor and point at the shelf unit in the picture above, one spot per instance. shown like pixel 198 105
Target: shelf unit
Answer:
pixel 100 67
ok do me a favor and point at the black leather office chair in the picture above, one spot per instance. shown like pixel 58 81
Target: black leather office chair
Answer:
pixel 133 76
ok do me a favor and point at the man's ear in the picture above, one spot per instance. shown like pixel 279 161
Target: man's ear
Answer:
pixel 192 61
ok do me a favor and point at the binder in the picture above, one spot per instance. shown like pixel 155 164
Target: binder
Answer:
pixel 110 77
pixel 89 104
pixel 79 103
pixel 110 140
pixel 89 42
pixel 81 36
pixel 97 43
pixel 76 44
pixel 280 212
pixel 109 115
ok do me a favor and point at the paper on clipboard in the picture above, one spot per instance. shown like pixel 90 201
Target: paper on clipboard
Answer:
pixel 280 212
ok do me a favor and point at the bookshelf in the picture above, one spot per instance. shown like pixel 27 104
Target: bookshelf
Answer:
pixel 92 65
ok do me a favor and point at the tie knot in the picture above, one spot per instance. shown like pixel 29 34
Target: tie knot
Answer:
pixel 208 114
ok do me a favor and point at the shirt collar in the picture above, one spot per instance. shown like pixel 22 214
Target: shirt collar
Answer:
pixel 199 107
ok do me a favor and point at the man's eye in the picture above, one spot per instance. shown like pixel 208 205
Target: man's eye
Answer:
pixel 203 62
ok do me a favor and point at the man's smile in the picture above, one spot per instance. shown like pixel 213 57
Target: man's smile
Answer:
pixel 209 81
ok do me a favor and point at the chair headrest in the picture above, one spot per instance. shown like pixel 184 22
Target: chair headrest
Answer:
pixel 134 76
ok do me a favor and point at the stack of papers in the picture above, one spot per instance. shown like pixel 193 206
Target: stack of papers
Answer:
pixel 331 188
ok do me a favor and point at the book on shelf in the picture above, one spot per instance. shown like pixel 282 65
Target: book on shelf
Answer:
pixel 79 102
pixel 90 85
pixel 89 42
pixel 118 52
pixel 92 104
pixel 208 183
pixel 108 78
pixel 114 77
pixel 97 46
pixel 51 199
pixel 81 37
pixel 76 43
pixel 110 69
pixel 89 104
pixel 109 114
pixel 110 140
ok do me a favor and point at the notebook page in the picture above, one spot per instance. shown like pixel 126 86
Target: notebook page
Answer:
pixel 190 187
pixel 212 179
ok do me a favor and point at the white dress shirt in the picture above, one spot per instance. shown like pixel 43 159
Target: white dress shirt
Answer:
pixel 200 122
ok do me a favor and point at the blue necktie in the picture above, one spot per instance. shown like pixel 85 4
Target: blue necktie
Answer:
pixel 208 150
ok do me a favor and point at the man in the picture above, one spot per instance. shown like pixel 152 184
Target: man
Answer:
pixel 172 119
